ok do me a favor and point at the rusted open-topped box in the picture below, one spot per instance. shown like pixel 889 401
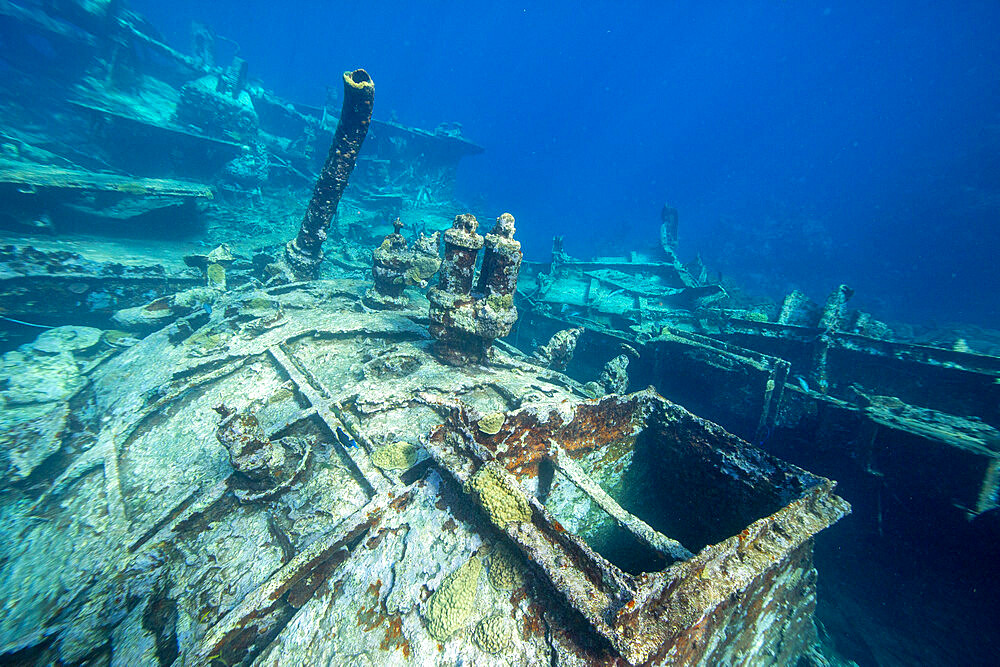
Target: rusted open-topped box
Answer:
pixel 677 541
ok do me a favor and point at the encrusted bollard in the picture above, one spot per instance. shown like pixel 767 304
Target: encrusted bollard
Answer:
pixel 395 265
pixel 389 264
pixel 558 352
pixel 461 245
pixel 614 377
pixel 304 253
pixel 464 323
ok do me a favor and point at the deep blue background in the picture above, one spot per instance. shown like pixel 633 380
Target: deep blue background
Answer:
pixel 804 144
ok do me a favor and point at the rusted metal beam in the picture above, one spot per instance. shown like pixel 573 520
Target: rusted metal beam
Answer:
pixel 263 612
pixel 363 471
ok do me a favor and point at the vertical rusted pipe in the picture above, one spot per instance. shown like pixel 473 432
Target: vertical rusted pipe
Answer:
pixel 501 260
pixel 304 253
pixel 461 246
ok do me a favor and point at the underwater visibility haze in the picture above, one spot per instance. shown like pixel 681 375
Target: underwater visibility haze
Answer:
pixel 614 333
pixel 804 143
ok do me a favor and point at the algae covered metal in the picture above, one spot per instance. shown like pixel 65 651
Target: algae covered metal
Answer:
pixel 215 501
pixel 256 471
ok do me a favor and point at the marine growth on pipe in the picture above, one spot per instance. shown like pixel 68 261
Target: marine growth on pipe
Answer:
pixel 465 322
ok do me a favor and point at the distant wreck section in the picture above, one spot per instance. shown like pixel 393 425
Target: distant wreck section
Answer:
pixel 786 375
pixel 908 422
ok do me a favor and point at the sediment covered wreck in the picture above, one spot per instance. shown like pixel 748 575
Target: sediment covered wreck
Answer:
pixel 297 479
pixel 259 467
pixel 287 432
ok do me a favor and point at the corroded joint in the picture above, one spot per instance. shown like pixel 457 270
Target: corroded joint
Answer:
pixel 465 323
pixel 304 253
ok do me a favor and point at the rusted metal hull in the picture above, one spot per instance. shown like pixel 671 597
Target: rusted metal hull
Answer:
pixel 749 517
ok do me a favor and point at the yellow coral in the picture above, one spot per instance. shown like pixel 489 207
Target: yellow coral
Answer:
pixel 494 634
pixel 400 455
pixel 497 492
pixel 500 302
pixel 216 276
pixel 424 266
pixel 505 568
pixel 454 600
pixel 491 423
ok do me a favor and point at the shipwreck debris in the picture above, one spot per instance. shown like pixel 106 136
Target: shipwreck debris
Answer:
pixel 614 377
pixel 264 466
pixel 396 265
pixel 465 323
pixel 752 545
pixel 304 253
pixel 558 352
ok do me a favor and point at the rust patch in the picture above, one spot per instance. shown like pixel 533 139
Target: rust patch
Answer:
pixel 450 525
pixel 401 503
pixel 532 625
pixel 517 595
pixel 370 618
pixel 595 425
pixel 394 638
pixel 525 436
pixel 376 539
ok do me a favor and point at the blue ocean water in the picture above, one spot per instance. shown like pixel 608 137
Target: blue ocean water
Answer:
pixel 804 143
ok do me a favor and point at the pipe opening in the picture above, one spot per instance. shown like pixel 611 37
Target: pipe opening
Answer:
pixel 360 76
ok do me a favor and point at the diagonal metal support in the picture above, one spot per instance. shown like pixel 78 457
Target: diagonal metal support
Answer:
pixel 365 473
pixel 264 611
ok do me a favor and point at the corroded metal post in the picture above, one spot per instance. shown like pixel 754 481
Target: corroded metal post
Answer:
pixel 465 323
pixel 461 245
pixel 831 320
pixel 304 253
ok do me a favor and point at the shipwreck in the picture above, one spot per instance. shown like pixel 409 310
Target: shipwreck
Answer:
pixel 312 411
